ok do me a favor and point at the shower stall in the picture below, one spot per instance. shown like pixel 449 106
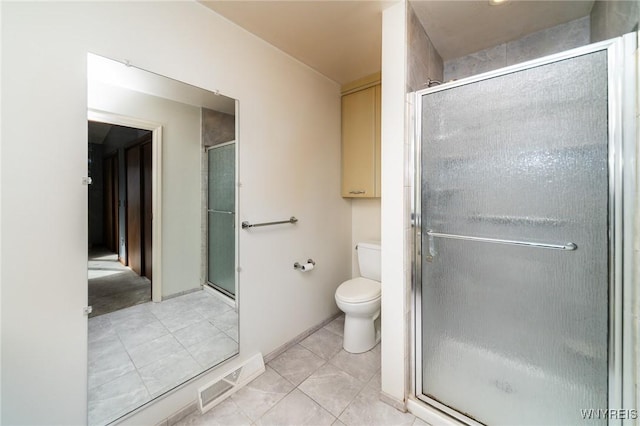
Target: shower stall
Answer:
pixel 221 214
pixel 520 227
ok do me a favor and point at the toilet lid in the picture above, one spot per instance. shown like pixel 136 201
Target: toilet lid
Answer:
pixel 358 290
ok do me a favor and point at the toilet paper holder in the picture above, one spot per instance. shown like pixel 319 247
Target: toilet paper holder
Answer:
pixel 304 267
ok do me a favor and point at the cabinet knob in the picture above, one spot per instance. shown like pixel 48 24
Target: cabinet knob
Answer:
pixel 357 191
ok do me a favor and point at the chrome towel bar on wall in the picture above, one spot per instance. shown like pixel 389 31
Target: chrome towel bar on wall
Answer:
pixel 246 225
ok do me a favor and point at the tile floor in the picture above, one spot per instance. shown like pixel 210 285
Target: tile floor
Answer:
pixel 313 383
pixel 140 352
pixel 113 286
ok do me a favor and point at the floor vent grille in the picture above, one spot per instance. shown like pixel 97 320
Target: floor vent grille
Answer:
pixel 229 382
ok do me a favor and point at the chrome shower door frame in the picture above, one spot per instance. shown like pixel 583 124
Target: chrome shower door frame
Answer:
pixel 206 277
pixel 622 128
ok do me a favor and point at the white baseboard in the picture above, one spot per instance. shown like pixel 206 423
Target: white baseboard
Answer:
pixel 395 403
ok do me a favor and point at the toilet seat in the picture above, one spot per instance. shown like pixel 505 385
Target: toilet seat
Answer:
pixel 358 290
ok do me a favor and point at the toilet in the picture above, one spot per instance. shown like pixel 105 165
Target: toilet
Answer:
pixel 359 299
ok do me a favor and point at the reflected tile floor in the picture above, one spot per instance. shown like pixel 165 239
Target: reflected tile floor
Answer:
pixel 138 353
pixel 312 383
pixel 113 286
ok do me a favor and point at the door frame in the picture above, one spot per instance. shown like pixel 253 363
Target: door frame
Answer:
pixel 156 187
pixel 622 128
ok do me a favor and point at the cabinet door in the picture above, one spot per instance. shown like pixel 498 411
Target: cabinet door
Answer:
pixel 358 143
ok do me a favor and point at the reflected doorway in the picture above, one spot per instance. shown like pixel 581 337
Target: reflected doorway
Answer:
pixel 120 265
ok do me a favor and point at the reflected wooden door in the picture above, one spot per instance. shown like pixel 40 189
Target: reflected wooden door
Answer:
pixel 109 201
pixel 134 209
pixel 116 207
pixel 147 206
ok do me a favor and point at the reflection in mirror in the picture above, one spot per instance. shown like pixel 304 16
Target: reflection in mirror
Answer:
pixel 162 235
pixel 221 217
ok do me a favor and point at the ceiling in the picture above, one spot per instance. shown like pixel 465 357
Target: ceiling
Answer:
pixel 342 39
pixel 113 73
pixel 98 132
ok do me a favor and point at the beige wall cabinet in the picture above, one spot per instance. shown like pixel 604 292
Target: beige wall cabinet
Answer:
pixel 361 143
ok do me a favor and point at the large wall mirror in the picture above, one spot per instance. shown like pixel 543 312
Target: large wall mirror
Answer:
pixel 162 243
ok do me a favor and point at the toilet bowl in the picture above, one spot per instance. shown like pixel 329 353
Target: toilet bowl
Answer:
pixel 359 298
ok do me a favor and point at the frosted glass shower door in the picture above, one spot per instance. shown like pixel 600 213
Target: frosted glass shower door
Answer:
pixel 514 333
pixel 221 218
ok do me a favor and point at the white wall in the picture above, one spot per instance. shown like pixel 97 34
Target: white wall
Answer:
pixel 636 258
pixel 0 221
pixel 289 150
pixel 181 177
pixel 365 219
pixel 395 204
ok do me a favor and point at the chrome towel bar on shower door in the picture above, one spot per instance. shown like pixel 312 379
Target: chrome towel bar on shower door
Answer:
pixel 566 246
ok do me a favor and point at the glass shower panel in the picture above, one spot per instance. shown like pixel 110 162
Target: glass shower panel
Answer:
pixel 222 176
pixel 515 335
pixel 221 251
pixel 221 218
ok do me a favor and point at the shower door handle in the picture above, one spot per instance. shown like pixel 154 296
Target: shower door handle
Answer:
pixel 431 249
pixel 431 234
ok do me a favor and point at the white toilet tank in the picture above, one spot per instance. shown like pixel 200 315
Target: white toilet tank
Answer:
pixel 369 260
